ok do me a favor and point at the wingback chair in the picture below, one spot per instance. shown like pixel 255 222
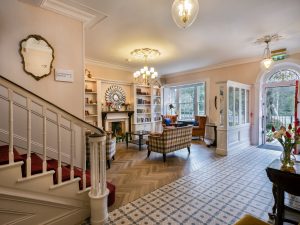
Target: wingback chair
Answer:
pixel 199 130
pixel 110 148
pixel 172 117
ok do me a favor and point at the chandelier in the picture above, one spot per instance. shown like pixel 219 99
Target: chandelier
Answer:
pixel 184 12
pixel 267 57
pixel 145 75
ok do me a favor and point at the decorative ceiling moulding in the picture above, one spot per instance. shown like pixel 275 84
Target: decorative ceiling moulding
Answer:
pixel 214 67
pixel 108 65
pixel 70 8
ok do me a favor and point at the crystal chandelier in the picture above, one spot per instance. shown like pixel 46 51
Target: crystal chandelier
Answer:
pixel 267 56
pixel 184 12
pixel 145 75
pixel 267 61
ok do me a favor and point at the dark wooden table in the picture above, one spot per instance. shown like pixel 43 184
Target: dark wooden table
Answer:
pixel 140 141
pixel 283 181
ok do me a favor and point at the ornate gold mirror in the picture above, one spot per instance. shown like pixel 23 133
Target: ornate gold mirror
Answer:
pixel 37 56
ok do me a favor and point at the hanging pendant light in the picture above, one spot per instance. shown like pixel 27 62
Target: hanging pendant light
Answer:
pixel 184 12
pixel 267 61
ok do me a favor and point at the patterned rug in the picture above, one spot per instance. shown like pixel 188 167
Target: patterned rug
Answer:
pixel 219 193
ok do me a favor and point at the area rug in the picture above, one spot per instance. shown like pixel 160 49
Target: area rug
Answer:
pixel 219 193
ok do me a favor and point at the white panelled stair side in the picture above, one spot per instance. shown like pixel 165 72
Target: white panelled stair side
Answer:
pixel 45 178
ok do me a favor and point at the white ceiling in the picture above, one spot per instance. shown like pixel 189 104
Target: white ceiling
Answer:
pixel 224 31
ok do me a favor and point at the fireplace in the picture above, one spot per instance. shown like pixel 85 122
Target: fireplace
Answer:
pixel 116 120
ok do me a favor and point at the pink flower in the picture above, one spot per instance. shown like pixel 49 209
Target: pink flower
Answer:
pixel 273 129
pixel 288 135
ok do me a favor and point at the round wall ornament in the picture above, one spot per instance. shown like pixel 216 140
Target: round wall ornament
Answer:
pixel 116 96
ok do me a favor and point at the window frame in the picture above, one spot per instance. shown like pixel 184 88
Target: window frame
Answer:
pixel 195 99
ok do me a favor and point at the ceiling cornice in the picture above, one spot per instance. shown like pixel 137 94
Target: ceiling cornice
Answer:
pixel 214 67
pixel 108 65
pixel 70 8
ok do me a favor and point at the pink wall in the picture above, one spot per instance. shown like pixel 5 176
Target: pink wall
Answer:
pixel 244 73
pixel 18 20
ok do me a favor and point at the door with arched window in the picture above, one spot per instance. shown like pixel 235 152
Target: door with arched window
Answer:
pixel 278 103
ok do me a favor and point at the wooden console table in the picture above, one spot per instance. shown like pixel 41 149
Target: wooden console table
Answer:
pixel 130 113
pixel 283 181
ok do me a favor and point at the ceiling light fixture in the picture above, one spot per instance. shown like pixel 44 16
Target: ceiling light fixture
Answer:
pixel 267 57
pixel 267 61
pixel 184 12
pixel 145 75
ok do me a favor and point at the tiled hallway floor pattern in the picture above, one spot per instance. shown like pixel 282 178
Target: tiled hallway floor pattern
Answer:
pixel 218 193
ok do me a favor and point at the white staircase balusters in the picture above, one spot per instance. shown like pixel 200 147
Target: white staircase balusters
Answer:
pixel 83 136
pixel 98 194
pixel 28 159
pixel 59 169
pixel 46 112
pixel 44 139
pixel 11 126
pixel 102 166
pixel 72 151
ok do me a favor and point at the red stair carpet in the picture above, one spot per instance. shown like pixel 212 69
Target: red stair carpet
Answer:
pixel 37 167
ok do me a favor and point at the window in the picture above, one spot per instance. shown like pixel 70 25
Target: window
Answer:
pixel 284 75
pixel 188 101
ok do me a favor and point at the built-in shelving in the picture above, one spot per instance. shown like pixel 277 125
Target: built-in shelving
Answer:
pixel 91 99
pixel 147 107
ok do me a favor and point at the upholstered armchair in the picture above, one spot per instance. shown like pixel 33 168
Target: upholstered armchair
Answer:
pixel 199 129
pixel 173 119
pixel 110 148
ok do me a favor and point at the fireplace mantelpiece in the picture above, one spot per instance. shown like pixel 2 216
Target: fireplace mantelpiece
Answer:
pixel 105 113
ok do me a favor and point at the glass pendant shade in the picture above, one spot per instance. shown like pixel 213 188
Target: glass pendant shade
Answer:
pixel 267 61
pixel 184 12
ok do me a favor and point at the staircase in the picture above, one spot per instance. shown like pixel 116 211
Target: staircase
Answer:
pixel 43 168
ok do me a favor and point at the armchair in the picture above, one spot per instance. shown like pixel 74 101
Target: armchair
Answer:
pixel 110 148
pixel 199 130
pixel 173 119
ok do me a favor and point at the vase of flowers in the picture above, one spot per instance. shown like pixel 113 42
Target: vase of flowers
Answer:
pixel 288 138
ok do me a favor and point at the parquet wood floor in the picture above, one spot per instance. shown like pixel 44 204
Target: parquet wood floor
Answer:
pixel 135 175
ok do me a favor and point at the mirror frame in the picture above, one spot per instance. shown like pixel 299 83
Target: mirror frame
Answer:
pixel 37 37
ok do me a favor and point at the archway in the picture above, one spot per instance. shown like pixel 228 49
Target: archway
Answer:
pixel 274 100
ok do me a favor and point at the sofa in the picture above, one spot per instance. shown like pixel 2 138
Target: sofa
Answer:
pixel 173 119
pixel 199 129
pixel 170 140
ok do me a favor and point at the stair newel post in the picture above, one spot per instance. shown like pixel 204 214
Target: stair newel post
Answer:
pixel 11 126
pixel 28 159
pixel 102 166
pixel 44 139
pixel 59 169
pixel 72 151
pixel 98 199
pixel 83 130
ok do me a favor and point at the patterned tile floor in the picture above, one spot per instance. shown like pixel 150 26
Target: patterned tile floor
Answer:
pixel 219 193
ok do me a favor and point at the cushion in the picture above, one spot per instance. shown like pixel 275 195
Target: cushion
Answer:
pixel 250 220
pixel 168 121
pixel 4 155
